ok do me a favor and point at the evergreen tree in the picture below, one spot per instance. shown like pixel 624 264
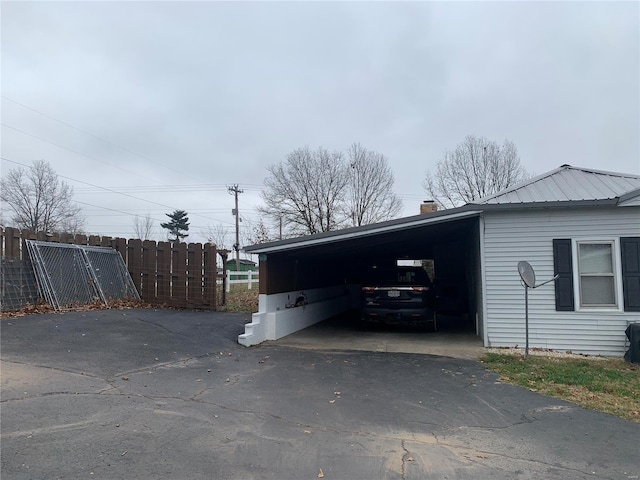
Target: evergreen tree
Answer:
pixel 178 223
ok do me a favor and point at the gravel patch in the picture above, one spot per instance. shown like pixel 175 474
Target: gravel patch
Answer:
pixel 544 352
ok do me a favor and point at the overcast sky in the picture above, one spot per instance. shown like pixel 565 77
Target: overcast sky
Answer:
pixel 162 105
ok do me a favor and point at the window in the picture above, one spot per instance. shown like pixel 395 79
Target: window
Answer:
pixel 606 274
pixel 596 274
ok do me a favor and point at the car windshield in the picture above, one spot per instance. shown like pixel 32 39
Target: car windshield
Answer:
pixel 398 276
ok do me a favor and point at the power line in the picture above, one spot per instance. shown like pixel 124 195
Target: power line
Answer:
pixel 67 149
pixel 111 191
pixel 124 149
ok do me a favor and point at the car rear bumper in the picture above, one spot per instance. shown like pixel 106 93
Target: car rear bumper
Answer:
pixel 391 316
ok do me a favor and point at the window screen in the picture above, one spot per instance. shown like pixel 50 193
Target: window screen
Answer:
pixel 597 276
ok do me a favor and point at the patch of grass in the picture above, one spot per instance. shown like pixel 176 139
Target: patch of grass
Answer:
pixel 242 300
pixel 608 385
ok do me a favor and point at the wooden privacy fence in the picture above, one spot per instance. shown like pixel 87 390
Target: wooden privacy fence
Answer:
pixel 173 274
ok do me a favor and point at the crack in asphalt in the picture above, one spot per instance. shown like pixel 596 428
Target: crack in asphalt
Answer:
pixel 162 327
pixel 58 369
pixel 51 394
pixel 320 428
pixel 405 456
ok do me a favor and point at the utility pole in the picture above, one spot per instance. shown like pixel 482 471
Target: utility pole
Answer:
pixel 235 190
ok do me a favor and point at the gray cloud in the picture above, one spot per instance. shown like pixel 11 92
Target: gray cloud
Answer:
pixel 209 92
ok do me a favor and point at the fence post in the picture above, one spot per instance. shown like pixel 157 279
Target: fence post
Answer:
pixel 249 273
pixel 228 286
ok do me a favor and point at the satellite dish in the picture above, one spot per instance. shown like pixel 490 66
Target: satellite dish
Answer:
pixel 528 277
pixel 527 274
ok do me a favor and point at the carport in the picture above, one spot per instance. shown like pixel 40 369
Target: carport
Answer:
pixel 312 278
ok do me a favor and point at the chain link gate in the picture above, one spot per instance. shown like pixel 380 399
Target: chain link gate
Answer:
pixel 79 274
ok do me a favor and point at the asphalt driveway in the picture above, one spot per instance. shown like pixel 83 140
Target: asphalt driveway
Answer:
pixel 145 394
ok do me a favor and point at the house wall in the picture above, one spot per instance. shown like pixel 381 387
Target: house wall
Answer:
pixel 527 235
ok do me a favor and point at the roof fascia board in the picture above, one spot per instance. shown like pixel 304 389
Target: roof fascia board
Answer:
pixel 341 235
pixel 604 202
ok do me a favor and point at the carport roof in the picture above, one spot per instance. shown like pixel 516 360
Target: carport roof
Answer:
pixel 353 233
pixel 565 186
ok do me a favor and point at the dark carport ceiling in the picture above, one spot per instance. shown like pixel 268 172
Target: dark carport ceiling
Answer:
pixel 408 242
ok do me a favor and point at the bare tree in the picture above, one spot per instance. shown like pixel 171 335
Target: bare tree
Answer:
pixel 259 234
pixel 306 191
pixel 477 167
pixel 370 198
pixel 219 235
pixel 40 201
pixel 143 227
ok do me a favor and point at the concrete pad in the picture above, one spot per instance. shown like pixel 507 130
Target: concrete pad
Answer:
pixel 342 333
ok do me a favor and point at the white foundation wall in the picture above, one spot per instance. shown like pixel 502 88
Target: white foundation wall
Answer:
pixel 274 320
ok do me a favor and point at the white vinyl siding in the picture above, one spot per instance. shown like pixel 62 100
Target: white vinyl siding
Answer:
pixel 528 235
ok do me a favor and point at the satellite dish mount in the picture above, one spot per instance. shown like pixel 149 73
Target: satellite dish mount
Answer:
pixel 528 278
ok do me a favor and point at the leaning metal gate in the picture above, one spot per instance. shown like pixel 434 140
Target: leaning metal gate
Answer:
pixel 79 274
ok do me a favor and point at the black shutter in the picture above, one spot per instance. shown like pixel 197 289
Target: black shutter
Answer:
pixel 630 247
pixel 563 266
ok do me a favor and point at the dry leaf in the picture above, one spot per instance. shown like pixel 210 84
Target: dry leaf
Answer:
pixel 321 474
pixel 307 431
pixel 410 459
pixel 332 401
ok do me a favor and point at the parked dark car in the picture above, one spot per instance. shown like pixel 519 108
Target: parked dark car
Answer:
pixel 401 296
pixel 451 297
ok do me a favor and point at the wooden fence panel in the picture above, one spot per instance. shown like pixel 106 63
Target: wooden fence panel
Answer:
pixel 148 292
pixel 12 243
pixel 194 275
pixel 120 245
pixel 210 276
pixel 179 274
pixel 163 275
pixel 134 259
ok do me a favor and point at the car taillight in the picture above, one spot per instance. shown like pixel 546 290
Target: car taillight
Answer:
pixel 420 289
pixel 368 289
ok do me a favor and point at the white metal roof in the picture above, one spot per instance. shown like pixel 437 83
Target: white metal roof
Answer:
pixel 567 183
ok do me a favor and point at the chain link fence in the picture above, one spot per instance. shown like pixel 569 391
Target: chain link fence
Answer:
pixel 18 286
